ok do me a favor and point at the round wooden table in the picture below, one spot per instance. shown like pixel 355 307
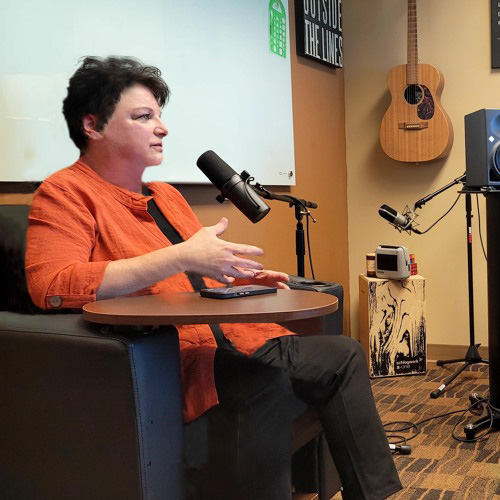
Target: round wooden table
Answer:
pixel 179 308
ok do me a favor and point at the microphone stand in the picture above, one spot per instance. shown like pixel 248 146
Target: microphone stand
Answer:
pixel 301 209
pixel 472 356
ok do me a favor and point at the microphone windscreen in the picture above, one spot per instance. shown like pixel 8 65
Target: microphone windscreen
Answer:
pixel 215 168
pixel 388 213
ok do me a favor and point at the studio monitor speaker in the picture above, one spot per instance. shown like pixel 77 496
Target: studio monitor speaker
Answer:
pixel 482 148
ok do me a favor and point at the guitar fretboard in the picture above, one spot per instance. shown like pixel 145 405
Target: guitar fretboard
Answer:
pixel 412 64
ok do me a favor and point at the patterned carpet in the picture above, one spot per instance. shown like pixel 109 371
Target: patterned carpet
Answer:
pixel 440 467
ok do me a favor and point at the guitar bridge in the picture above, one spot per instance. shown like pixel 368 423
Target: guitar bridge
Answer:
pixel 413 125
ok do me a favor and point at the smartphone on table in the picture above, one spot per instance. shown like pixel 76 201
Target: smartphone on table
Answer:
pixel 236 291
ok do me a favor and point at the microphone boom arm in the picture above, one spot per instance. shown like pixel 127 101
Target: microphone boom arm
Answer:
pixel 269 195
pixel 420 203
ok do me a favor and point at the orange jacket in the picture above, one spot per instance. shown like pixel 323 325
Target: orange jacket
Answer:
pixel 79 223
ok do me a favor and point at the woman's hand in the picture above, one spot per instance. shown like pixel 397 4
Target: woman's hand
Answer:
pixel 266 278
pixel 206 254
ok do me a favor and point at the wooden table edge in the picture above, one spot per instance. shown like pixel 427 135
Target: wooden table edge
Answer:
pixel 159 319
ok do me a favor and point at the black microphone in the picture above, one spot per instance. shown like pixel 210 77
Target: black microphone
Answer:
pixel 232 186
pixel 403 222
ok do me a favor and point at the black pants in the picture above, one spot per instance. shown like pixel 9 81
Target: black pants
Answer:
pixel 241 449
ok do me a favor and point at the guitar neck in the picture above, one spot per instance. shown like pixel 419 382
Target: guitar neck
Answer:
pixel 412 54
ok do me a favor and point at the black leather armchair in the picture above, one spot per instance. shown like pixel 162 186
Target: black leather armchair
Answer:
pixel 93 414
pixel 84 415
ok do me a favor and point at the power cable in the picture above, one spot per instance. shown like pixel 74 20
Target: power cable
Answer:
pixel 399 439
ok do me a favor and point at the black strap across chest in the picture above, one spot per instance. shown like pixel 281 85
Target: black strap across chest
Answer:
pixel 174 237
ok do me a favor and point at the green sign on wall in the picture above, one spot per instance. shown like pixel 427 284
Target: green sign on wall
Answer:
pixel 277 28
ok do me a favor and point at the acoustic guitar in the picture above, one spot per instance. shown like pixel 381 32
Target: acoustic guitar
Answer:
pixel 415 128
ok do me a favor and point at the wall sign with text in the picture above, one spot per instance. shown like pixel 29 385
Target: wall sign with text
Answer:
pixel 319 30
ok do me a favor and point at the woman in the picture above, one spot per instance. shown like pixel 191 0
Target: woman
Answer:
pixel 96 231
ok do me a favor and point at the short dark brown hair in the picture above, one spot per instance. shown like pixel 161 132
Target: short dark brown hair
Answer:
pixel 96 88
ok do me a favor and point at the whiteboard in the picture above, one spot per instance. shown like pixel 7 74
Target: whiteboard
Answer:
pixel 230 93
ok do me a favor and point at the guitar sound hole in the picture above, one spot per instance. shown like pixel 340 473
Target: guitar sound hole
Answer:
pixel 413 94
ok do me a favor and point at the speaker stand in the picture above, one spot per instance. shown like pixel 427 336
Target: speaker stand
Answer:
pixel 490 418
pixel 491 413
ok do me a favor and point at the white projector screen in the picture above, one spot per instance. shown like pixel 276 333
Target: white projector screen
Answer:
pixel 230 93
